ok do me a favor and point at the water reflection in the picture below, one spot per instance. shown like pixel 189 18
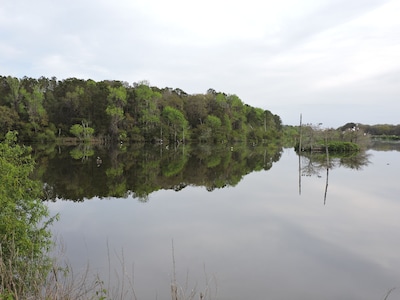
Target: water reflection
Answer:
pixel 381 145
pixel 317 163
pixel 259 238
pixel 314 164
pixel 87 171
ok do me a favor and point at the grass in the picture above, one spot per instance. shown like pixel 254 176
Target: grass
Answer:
pixel 180 293
pixel 59 280
pixel 56 281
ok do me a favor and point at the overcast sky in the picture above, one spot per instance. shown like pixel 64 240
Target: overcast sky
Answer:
pixel 334 61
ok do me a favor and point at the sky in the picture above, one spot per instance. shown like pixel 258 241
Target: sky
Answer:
pixel 332 61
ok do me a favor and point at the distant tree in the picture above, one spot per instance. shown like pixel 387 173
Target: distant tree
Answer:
pixel 47 107
pixel 8 121
pixel 348 126
pixel 82 131
pixel 148 113
pixel 170 97
pixel 68 108
pixel 15 96
pixel 212 127
pixel 237 109
pixel 175 119
pixel 115 108
pixel 34 106
pixel 278 122
pixel 196 109
pixel 99 119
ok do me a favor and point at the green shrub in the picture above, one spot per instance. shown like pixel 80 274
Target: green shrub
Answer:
pixel 25 238
pixel 337 146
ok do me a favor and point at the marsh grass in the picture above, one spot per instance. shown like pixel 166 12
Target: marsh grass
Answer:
pixel 57 279
pixel 45 278
pixel 179 292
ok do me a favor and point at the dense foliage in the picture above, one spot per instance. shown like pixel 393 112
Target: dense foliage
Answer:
pixel 45 109
pixel 24 234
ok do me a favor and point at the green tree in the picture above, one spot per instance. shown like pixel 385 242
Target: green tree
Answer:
pixel 67 108
pixel 196 109
pixel 82 131
pixel 256 125
pixel 15 97
pixel 175 120
pixel 115 108
pixel 34 106
pixel 8 121
pixel 237 111
pixel 210 131
pixel 25 238
pixel 172 98
pixel 148 112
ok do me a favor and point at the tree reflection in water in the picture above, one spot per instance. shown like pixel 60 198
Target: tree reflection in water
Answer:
pixel 139 170
pixel 316 163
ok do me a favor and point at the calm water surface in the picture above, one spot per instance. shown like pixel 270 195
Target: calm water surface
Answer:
pixel 261 239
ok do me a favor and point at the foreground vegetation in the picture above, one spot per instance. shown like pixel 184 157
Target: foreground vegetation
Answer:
pixel 25 237
pixel 29 267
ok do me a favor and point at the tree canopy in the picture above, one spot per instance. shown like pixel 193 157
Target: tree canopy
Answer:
pixel 44 109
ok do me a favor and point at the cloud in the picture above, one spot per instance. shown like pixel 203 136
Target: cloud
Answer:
pixel 273 54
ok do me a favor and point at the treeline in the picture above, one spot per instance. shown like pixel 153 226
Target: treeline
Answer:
pixel 45 109
pixel 378 129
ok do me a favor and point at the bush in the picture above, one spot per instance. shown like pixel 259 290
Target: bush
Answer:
pixel 337 146
pixel 25 238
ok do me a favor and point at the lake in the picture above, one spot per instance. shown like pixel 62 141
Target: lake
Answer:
pixel 285 228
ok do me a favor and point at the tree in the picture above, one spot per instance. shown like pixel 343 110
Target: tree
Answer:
pixel 15 94
pixel 148 112
pixel 8 121
pixel 176 120
pixel 67 109
pixel 115 108
pixel 237 114
pixel 171 98
pixel 196 109
pixel 211 128
pixel 256 124
pixel 34 105
pixel 82 131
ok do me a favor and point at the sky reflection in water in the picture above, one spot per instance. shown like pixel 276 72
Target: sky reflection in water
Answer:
pixel 258 240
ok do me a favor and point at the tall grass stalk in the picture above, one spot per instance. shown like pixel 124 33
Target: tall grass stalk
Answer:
pixel 185 293
pixel 51 276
